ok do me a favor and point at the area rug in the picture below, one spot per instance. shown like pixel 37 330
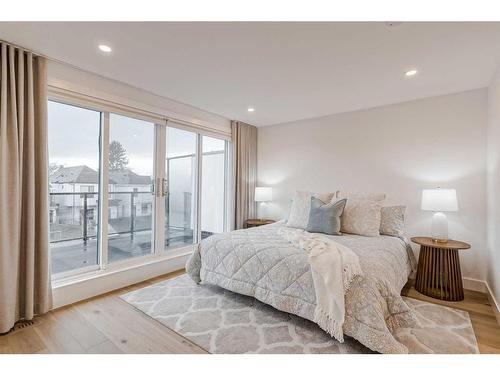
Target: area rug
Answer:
pixel 221 322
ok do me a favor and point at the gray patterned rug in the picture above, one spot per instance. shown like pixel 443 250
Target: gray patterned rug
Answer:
pixel 224 322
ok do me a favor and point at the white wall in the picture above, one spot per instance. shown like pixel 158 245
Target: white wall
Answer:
pixel 493 181
pixel 397 149
pixel 69 78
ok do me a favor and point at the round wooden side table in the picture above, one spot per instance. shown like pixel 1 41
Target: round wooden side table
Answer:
pixel 438 272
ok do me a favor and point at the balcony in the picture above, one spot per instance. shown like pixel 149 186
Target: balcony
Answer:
pixel 74 220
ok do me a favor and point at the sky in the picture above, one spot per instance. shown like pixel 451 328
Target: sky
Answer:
pixel 73 135
pixel 74 139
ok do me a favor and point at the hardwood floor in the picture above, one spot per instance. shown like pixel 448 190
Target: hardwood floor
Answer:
pixel 106 324
pixel 101 325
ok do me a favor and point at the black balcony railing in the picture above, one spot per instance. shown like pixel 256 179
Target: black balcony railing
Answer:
pixel 81 210
pixel 76 218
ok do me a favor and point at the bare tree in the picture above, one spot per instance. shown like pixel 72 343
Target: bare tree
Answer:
pixel 117 156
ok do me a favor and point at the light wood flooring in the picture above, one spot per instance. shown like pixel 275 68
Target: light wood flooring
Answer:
pixel 106 324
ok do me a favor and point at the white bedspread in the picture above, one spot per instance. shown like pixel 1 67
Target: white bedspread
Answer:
pixel 259 262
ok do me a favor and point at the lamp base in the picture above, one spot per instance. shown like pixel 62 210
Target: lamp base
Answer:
pixel 260 211
pixel 439 228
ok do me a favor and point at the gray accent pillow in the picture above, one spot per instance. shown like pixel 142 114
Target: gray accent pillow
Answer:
pixel 301 205
pixel 325 218
pixel 392 220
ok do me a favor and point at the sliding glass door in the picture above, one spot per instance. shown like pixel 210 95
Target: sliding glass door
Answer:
pixel 130 178
pixel 74 160
pixel 124 189
pixel 213 186
pixel 181 198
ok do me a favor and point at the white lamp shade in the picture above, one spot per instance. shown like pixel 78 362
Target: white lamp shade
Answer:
pixel 439 200
pixel 263 194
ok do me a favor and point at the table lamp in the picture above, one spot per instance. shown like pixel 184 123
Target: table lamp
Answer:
pixel 263 194
pixel 440 201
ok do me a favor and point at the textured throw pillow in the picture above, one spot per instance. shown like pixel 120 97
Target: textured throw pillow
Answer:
pixel 299 212
pixel 362 214
pixel 392 220
pixel 325 218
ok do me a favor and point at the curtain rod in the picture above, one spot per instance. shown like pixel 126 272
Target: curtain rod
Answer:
pixel 107 78
pixel 22 48
pixel 39 54
pixel 50 58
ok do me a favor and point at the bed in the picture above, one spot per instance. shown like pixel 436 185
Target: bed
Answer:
pixel 259 262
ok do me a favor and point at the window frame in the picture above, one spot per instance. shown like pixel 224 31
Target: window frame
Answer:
pixel 197 192
pixel 77 272
pixel 160 151
pixel 226 226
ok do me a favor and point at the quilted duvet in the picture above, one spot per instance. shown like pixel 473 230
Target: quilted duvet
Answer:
pixel 258 262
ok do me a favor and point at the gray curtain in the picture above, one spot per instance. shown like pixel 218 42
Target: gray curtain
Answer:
pixel 245 161
pixel 24 254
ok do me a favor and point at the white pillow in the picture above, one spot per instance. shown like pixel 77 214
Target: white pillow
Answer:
pixel 392 220
pixel 301 205
pixel 362 214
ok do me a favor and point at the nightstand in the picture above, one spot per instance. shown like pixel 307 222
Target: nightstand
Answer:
pixel 438 272
pixel 257 222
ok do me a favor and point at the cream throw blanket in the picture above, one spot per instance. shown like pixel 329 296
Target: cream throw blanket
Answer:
pixel 334 267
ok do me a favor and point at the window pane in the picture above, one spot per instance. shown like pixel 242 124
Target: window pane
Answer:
pixel 213 186
pixel 73 186
pixel 131 203
pixel 180 201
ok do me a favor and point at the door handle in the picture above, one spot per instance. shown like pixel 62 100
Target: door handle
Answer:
pixel 164 189
pixel 160 188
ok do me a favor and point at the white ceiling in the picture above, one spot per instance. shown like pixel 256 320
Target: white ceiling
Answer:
pixel 286 71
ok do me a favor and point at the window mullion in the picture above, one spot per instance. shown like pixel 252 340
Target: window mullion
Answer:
pixel 199 171
pixel 159 216
pixel 104 191
pixel 226 186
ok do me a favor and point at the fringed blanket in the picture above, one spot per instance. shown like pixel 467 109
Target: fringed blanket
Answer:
pixel 334 267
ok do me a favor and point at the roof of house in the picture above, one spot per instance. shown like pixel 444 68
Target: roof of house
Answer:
pixel 127 177
pixel 79 174
pixel 86 175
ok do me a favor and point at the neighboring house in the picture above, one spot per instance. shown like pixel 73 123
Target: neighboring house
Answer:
pixel 66 204
pixel 71 187
pixel 125 182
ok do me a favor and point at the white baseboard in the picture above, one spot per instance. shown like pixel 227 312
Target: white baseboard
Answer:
pixel 483 287
pixel 494 303
pixel 99 284
pixel 474 284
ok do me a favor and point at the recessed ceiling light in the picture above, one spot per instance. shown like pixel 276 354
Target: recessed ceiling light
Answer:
pixel 250 109
pixel 104 48
pixel 411 73
pixel 393 24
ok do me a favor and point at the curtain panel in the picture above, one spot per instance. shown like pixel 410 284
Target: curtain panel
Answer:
pixel 245 161
pixel 25 289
